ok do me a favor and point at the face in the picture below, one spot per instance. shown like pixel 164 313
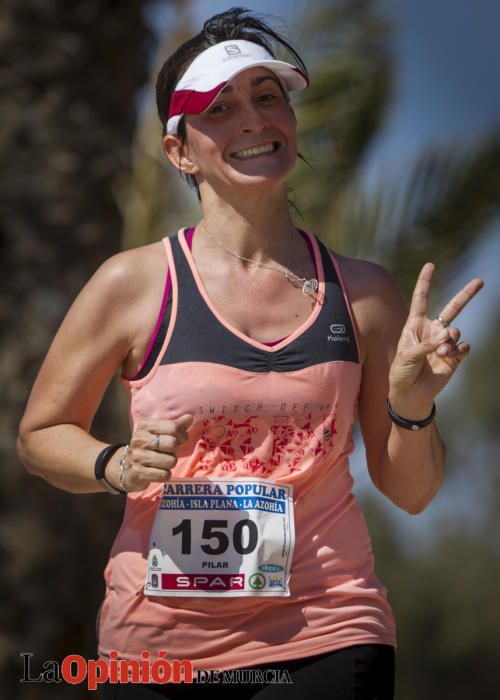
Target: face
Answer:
pixel 247 137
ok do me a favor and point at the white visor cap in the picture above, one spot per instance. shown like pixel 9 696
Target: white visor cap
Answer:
pixel 211 71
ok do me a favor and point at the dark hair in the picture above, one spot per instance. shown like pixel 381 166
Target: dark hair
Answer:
pixel 236 23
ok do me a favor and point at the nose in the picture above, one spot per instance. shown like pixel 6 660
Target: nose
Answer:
pixel 253 120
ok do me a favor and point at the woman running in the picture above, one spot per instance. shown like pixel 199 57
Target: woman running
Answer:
pixel 247 350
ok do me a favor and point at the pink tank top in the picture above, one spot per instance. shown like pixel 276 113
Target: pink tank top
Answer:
pixel 285 413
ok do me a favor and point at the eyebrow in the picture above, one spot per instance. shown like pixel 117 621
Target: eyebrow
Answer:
pixel 255 82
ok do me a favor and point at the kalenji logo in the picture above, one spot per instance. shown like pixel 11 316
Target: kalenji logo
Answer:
pixel 337 333
pixel 232 50
pixel 204 582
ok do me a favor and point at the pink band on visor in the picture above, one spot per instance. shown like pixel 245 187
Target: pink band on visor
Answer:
pixel 211 71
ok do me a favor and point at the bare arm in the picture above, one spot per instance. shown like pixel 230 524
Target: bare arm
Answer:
pixel 410 365
pixel 107 327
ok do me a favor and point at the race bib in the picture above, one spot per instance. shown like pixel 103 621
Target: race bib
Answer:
pixel 222 537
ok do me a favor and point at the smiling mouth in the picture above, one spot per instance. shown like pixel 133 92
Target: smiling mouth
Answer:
pixel 256 151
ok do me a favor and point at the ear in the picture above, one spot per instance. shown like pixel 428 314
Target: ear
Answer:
pixel 177 154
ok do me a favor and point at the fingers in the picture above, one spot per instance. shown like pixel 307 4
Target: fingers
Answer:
pixel 442 341
pixel 459 352
pixel 152 454
pixel 420 298
pixel 460 300
pixel 449 343
pixel 165 443
pixel 138 476
pixel 177 428
pixel 152 460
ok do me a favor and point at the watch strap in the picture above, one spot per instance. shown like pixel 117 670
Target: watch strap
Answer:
pixel 100 467
pixel 408 423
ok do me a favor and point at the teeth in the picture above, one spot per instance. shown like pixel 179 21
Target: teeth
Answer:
pixel 254 151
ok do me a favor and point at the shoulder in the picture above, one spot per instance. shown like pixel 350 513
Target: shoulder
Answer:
pixel 376 299
pixel 130 271
pixel 364 277
pixel 115 300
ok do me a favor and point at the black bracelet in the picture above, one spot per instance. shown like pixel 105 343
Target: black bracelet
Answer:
pixel 407 423
pixel 100 467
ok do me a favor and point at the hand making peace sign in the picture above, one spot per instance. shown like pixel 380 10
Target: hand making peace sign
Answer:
pixel 429 351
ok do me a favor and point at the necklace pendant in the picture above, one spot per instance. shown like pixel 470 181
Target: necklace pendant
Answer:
pixel 310 286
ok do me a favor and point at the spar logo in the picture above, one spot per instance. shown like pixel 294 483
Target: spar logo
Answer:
pixel 203 582
pixel 257 581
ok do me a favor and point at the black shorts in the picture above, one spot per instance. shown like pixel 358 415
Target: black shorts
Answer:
pixel 361 672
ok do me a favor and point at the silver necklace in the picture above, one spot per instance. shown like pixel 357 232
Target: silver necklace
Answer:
pixel 308 286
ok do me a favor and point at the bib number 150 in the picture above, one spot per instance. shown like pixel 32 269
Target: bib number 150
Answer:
pixel 244 536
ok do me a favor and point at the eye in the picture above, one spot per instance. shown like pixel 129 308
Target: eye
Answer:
pixel 218 108
pixel 267 97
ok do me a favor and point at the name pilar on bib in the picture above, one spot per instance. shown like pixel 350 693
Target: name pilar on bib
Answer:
pixel 222 538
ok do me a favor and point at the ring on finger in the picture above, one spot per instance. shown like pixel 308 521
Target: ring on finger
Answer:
pixel 441 320
pixel 156 443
